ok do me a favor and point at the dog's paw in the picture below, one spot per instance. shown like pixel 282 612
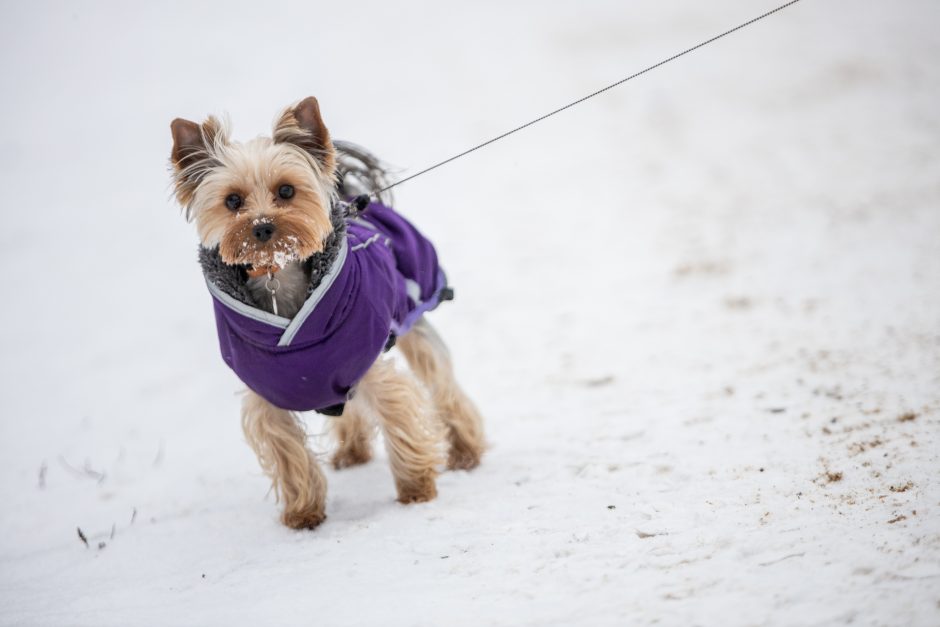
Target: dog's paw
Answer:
pixel 462 457
pixel 352 456
pixel 303 520
pixel 418 491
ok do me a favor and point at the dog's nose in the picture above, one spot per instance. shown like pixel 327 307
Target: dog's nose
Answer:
pixel 263 232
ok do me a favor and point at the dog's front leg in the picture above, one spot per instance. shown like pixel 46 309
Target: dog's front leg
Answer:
pixel 279 441
pixel 412 436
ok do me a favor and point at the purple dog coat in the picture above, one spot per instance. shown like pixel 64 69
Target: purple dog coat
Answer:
pixel 384 278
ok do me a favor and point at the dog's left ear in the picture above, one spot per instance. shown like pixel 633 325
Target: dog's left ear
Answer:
pixel 303 126
pixel 194 154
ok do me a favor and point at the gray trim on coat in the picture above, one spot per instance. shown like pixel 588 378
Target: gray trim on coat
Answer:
pixel 315 296
pixel 247 310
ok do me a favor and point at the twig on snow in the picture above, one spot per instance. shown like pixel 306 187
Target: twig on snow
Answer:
pixel 785 557
pixel 86 471
pixel 159 457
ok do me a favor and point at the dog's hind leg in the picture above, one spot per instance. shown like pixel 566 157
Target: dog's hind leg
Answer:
pixel 412 436
pixel 430 360
pixel 353 433
pixel 279 441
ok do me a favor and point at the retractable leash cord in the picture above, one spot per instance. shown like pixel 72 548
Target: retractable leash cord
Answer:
pixel 359 203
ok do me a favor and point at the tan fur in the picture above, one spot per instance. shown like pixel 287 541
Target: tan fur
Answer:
pixel 279 441
pixel 430 360
pixel 208 166
pixel 353 433
pixel 412 435
pixel 255 170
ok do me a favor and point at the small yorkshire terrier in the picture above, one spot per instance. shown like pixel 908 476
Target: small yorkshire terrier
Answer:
pixel 309 294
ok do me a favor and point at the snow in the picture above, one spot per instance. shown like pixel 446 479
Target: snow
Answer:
pixel 701 315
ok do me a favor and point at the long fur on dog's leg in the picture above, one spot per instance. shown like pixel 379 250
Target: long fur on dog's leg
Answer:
pixel 430 360
pixel 279 441
pixel 353 433
pixel 412 436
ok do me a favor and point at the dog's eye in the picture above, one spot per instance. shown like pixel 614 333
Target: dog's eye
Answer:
pixel 285 191
pixel 234 202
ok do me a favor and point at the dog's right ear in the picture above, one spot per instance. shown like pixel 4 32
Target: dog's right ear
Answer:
pixel 194 154
pixel 302 125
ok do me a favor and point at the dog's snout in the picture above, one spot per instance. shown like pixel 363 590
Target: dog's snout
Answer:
pixel 263 232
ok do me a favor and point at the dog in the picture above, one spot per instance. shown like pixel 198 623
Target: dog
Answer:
pixel 309 294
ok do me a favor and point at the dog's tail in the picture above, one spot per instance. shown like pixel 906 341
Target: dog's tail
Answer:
pixel 358 171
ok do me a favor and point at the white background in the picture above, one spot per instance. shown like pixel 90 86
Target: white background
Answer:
pixel 684 308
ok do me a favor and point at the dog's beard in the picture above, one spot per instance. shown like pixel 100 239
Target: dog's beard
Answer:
pixel 277 253
pixel 294 239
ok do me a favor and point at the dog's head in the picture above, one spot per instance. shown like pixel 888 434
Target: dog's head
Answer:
pixel 265 202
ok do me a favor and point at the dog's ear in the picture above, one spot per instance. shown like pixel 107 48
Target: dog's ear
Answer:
pixel 303 126
pixel 193 154
pixel 187 141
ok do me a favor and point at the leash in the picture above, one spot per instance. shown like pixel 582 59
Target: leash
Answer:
pixel 359 203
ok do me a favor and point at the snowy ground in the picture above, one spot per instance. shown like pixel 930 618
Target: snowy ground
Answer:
pixel 700 313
